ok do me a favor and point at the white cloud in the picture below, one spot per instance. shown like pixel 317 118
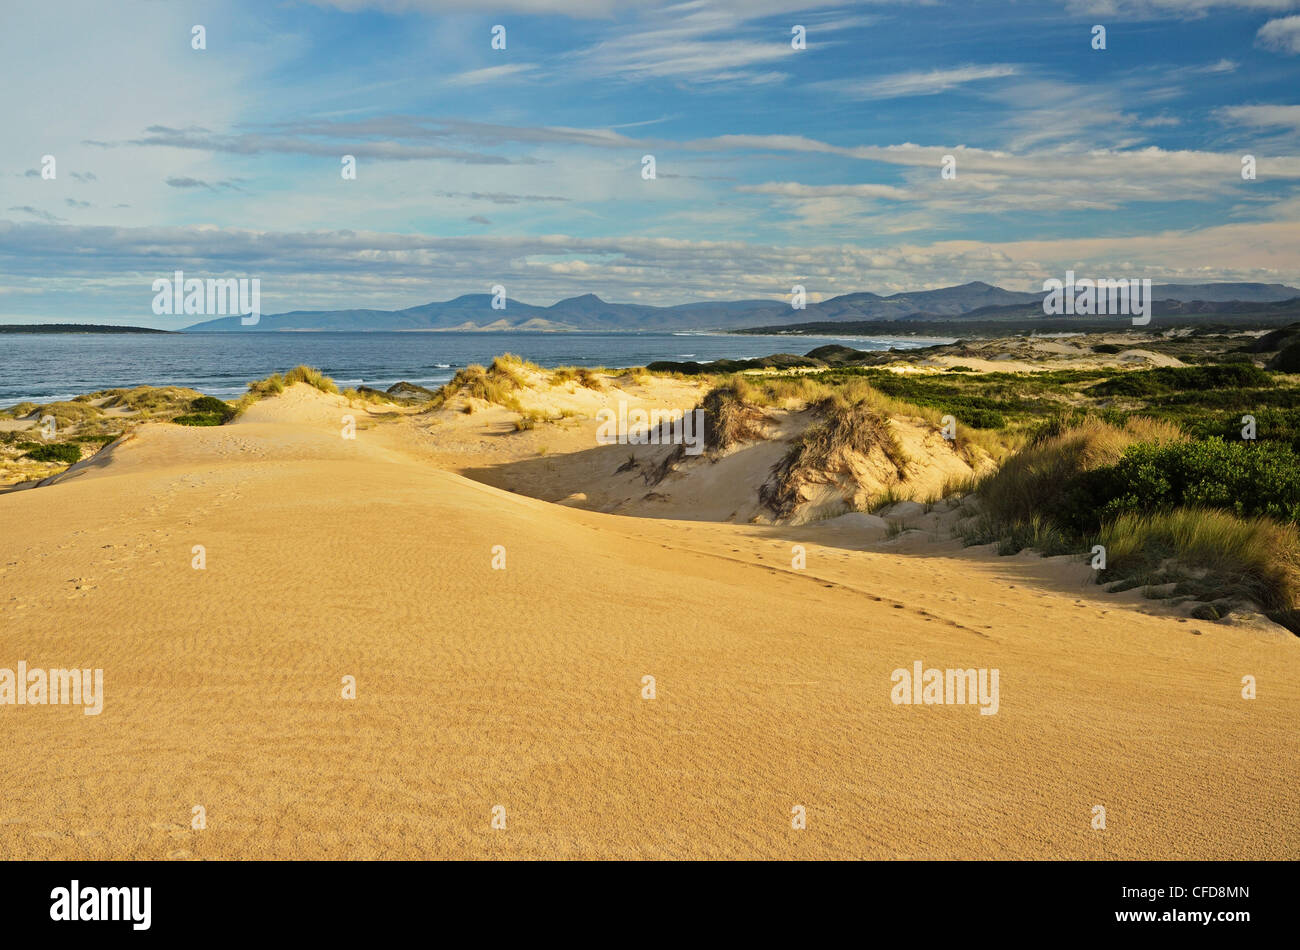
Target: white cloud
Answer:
pixel 334 269
pixel 490 74
pixel 918 82
pixel 570 8
pixel 1261 117
pixel 1154 9
pixel 1282 35
pixel 704 42
pixel 793 189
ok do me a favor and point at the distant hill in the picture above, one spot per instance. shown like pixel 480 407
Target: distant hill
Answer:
pixel 72 328
pixel 1203 314
pixel 589 312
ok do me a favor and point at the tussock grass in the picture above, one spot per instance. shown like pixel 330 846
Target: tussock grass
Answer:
pixel 1041 476
pixel 731 416
pixel 496 384
pixel 957 485
pixel 847 427
pixel 275 384
pixel 148 399
pixel 886 499
pixel 369 395
pixel 529 419
pixel 69 413
pixel 20 411
pixel 577 374
pixel 1037 532
pixel 312 377
pixel 1211 554
pixel 1040 499
pixel 806 391
pixel 635 376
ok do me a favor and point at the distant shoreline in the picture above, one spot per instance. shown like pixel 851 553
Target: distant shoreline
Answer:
pixel 74 328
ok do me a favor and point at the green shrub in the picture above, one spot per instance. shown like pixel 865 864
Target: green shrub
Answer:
pixel 209 404
pixel 201 419
pixel 1167 379
pixel 206 411
pixel 1049 477
pixel 1244 478
pixel 57 452
pixel 982 419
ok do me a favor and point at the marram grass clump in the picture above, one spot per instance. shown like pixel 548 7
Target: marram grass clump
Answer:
pixel 275 384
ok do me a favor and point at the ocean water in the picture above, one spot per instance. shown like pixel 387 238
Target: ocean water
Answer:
pixel 49 367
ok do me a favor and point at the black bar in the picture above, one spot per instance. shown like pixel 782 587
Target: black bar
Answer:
pixel 928 899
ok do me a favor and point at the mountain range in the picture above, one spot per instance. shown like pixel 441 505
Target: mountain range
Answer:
pixel 589 312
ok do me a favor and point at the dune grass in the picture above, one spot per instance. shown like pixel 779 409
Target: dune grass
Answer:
pixel 147 399
pixel 67 414
pixel 798 392
pixel 731 416
pixel 1080 483
pixel 369 395
pixel 1210 554
pixel 577 374
pixel 312 377
pixel 276 383
pixel 496 384
pixel 848 424
pixel 1042 477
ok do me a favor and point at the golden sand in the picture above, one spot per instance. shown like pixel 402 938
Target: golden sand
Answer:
pixel 523 687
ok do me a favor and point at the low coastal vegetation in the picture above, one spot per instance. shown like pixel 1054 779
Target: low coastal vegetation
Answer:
pixel 206 411
pixel 496 384
pixel 1187 475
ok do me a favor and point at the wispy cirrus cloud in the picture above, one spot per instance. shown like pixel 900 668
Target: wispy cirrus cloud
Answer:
pixel 794 189
pixel 256 143
pixel 36 213
pixel 492 74
pixel 568 8
pixel 918 82
pixel 498 197
pixel 1261 117
pixel 1155 9
pixel 710 42
pixel 186 182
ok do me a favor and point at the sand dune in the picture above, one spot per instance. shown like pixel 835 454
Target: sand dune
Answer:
pixel 328 557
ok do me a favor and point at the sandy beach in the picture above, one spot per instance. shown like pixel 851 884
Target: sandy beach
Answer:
pixel 477 687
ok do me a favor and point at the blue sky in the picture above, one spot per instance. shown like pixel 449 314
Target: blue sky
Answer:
pixel 522 166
